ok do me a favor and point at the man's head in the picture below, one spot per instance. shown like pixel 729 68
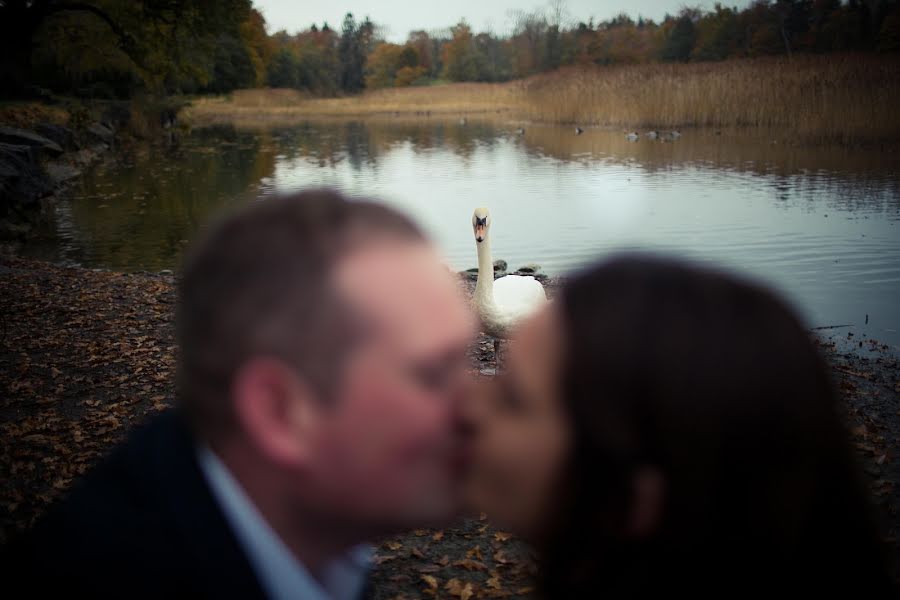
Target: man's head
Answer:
pixel 323 347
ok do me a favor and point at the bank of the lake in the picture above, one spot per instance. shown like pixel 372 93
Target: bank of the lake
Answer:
pixel 839 98
pixel 46 146
pixel 87 355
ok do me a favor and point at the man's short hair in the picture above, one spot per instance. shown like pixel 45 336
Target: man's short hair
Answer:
pixel 258 283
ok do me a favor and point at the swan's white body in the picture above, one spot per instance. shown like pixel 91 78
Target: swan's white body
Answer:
pixel 504 302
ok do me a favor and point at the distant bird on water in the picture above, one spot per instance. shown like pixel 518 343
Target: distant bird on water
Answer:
pixel 578 130
pixel 462 121
pixel 632 136
pixel 520 131
pixel 652 135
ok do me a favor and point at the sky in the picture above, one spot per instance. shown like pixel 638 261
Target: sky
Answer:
pixel 399 17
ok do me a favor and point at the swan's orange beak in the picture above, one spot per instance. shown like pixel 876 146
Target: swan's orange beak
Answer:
pixel 479 233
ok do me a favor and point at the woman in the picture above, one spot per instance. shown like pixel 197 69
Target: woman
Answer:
pixel 663 428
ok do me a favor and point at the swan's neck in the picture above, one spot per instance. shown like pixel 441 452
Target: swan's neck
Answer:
pixel 484 289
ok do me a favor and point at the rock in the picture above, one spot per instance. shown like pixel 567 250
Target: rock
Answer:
pixel 61 172
pixel 116 116
pixel 63 136
pixel 86 156
pixel 22 137
pixel 100 133
pixel 500 265
pixel 22 181
pixel 529 269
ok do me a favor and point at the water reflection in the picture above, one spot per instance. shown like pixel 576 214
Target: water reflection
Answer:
pixel 820 223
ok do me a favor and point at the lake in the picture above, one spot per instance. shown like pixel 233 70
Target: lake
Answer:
pixel 821 224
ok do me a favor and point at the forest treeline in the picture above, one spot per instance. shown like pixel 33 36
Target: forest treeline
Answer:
pixel 113 49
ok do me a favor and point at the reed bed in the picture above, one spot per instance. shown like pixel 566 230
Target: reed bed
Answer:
pixel 841 98
pixel 459 98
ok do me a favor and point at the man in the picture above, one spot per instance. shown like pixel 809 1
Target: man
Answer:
pixel 322 355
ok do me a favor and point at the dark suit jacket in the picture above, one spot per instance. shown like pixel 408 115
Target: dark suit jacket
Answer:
pixel 142 524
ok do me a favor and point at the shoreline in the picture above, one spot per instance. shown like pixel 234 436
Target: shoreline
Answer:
pixel 47 146
pixel 845 98
pixel 86 355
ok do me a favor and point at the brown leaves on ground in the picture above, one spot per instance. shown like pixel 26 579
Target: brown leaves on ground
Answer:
pixel 469 560
pixel 86 355
pixel 83 356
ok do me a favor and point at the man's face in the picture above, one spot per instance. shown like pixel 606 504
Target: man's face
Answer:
pixel 387 453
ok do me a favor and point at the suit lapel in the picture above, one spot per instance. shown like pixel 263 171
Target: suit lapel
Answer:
pixel 218 565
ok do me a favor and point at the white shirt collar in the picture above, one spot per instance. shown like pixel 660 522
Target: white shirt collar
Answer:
pixel 281 575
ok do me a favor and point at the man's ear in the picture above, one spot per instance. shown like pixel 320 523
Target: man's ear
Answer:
pixel 648 502
pixel 276 409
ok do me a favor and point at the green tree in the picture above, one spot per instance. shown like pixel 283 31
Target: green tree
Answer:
pixel 718 35
pixel 680 42
pixel 283 70
pixel 352 58
pixel 461 61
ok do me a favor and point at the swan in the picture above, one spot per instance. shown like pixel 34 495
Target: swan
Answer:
pixel 503 303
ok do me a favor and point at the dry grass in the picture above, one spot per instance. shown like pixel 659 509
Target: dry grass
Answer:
pixel 842 98
pixel 279 104
pixel 28 114
pixel 832 97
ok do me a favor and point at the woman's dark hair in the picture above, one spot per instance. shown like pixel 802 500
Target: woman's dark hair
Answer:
pixel 716 383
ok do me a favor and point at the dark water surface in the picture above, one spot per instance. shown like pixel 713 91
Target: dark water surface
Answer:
pixel 821 224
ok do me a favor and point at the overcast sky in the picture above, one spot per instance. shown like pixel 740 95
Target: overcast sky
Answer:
pixel 398 17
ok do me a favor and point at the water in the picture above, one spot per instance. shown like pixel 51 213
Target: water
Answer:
pixel 820 224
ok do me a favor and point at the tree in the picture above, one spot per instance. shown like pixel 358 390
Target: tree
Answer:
pixel 424 47
pixel 352 59
pixel 283 70
pixel 718 35
pixel 260 48
pixel 459 56
pixel 680 41
pixel 20 21
pixel 382 66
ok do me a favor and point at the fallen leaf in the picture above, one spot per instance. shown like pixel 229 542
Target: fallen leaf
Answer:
pixel 470 565
pixel 431 580
pixel 463 590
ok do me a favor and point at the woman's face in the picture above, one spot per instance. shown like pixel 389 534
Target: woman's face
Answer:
pixel 521 434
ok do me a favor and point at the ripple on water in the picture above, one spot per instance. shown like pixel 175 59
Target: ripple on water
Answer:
pixel 819 223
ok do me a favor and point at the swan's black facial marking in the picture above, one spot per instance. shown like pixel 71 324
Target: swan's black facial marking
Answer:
pixel 480 224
